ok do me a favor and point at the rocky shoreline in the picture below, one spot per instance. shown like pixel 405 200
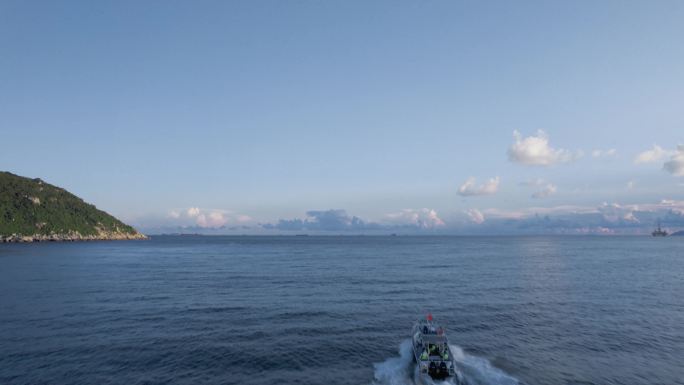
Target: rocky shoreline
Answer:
pixel 71 237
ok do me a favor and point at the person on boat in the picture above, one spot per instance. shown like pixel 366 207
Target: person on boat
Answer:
pixel 424 355
pixel 445 353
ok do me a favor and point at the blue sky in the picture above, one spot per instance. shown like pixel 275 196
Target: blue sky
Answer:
pixel 241 114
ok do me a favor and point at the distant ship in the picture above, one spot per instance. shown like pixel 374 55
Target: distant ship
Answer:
pixel 659 232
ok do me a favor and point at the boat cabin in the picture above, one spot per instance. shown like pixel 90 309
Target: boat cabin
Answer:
pixel 431 342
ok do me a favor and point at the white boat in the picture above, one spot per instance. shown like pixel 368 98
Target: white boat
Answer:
pixel 431 351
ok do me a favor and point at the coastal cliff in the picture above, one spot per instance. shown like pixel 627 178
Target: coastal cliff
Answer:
pixel 34 211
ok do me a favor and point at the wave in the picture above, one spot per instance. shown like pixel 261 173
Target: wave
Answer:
pixel 473 370
pixel 479 371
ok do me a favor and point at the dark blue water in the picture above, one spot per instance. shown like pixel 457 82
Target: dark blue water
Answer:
pixel 338 310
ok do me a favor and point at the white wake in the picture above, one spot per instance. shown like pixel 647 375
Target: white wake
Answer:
pixel 473 370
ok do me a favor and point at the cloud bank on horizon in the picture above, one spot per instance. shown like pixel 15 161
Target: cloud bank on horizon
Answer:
pixel 199 219
pixel 607 218
pixel 533 150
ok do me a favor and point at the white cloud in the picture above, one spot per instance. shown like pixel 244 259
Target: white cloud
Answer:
pixel 475 216
pixel 629 217
pixel 470 187
pixel 665 204
pixel 604 153
pixel 422 218
pixel 545 191
pixel 614 212
pixel 212 219
pixel 655 154
pixel 243 218
pixel 536 151
pixel 208 218
pixel 675 165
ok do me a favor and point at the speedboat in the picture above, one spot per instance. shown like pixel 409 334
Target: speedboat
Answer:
pixel 431 351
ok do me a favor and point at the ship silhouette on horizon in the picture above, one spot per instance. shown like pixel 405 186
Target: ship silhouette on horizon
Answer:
pixel 659 232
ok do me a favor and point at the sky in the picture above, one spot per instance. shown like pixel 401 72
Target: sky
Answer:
pixel 351 116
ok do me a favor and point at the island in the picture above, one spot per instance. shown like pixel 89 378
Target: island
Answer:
pixel 32 210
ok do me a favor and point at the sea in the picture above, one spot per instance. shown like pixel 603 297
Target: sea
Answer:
pixel 339 309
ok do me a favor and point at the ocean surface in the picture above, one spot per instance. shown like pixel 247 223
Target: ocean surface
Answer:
pixel 338 310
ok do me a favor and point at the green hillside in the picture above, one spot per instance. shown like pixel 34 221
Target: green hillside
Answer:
pixel 31 207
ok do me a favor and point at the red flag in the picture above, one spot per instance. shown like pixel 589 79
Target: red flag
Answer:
pixel 429 317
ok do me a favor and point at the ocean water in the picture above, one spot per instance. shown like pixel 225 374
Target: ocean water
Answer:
pixel 338 310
